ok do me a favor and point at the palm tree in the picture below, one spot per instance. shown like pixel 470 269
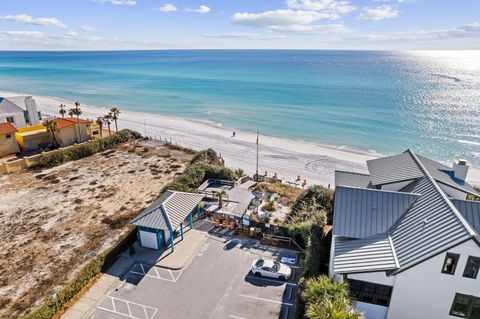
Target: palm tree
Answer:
pixel 51 125
pixel 70 112
pixel 115 113
pixel 220 195
pixel 326 298
pixel 77 112
pixel 62 110
pixel 106 120
pixel 99 122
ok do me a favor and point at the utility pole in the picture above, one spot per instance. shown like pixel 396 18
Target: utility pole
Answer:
pixel 145 127
pixel 257 156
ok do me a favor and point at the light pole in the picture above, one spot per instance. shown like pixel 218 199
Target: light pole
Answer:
pixel 53 294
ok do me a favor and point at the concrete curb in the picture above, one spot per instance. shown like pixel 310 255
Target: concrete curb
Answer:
pixel 187 262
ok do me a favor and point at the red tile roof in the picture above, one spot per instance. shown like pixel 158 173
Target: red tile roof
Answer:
pixel 7 128
pixel 64 122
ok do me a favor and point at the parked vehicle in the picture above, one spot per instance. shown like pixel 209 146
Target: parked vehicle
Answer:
pixel 271 268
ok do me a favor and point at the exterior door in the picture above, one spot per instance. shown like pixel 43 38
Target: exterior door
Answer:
pixel 148 239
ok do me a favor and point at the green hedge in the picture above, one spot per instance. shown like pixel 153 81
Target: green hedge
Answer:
pixel 206 164
pixel 63 155
pixel 104 260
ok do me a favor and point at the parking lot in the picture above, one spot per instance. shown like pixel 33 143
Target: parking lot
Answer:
pixel 217 284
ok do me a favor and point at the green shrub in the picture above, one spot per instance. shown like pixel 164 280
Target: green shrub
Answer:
pixel 208 156
pixel 63 155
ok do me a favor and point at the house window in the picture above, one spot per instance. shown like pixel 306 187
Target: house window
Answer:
pixel 8 135
pixel 450 263
pixel 471 269
pixel 10 119
pixel 370 293
pixel 465 306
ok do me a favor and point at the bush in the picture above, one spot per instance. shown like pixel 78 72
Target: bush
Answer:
pixel 63 155
pixel 104 260
pixel 202 167
pixel 326 298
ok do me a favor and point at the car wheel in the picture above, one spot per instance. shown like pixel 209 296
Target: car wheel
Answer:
pixel 282 278
pixel 258 274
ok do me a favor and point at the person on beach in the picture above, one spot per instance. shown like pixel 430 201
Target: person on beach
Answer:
pixel 234 133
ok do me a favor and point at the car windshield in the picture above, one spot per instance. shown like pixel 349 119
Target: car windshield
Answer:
pixel 276 266
pixel 259 263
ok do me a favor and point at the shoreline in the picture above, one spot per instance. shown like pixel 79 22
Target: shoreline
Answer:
pixel 288 158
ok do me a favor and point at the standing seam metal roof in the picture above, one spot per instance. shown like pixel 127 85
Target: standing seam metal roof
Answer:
pixel 391 169
pixel 375 211
pixel 352 179
pixel 168 211
pixel 470 210
pixel 364 255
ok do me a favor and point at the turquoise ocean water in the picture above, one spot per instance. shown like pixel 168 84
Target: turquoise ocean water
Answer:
pixel 371 101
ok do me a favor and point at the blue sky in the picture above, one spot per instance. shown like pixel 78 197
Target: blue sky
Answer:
pixel 228 24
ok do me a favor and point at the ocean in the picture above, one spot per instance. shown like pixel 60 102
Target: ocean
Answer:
pixel 372 101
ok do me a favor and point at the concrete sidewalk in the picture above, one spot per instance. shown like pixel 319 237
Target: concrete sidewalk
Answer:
pixel 87 304
pixel 184 251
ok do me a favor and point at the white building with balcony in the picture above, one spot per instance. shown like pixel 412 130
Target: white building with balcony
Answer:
pixel 20 111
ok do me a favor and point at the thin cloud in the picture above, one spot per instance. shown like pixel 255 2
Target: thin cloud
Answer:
pixel 87 28
pixel 338 7
pixel 117 2
pixel 202 9
pixel 168 7
pixel 27 19
pixel 378 13
pixel 27 34
pixel 244 35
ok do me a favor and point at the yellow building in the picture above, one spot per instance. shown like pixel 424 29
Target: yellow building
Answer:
pixel 8 143
pixel 66 134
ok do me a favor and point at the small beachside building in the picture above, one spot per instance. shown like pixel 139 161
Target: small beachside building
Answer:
pixel 163 221
pixel 67 132
pixel 406 239
pixel 8 143
pixel 21 111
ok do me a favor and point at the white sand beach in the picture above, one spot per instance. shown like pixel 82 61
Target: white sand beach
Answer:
pixel 287 158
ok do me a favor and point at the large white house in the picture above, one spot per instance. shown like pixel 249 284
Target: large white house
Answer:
pixel 407 240
pixel 20 111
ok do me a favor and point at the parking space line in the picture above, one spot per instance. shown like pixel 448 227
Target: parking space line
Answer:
pixel 271 280
pixel 236 317
pixel 156 273
pixel 128 303
pixel 267 300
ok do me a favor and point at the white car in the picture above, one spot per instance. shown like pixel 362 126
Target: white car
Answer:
pixel 271 268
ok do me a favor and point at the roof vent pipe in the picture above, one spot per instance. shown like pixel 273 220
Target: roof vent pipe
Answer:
pixel 460 170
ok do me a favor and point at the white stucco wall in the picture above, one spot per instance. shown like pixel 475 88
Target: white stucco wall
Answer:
pixel 19 119
pixel 371 311
pixel 452 192
pixel 423 291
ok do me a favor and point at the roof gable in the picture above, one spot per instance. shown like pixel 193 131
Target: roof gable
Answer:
pixel 392 169
pixel 7 106
pixel 361 213
pixel 168 211
pixel 7 128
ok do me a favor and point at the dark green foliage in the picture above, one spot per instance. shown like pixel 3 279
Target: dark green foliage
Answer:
pixel 104 260
pixel 76 152
pixel 317 198
pixel 204 165
pixel 473 197
pixel 208 156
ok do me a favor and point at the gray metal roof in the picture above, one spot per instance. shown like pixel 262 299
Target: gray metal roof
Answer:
pixel 444 174
pixel 351 179
pixel 470 210
pixel 391 169
pixel 168 211
pixel 431 225
pixel 364 255
pixel 361 213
